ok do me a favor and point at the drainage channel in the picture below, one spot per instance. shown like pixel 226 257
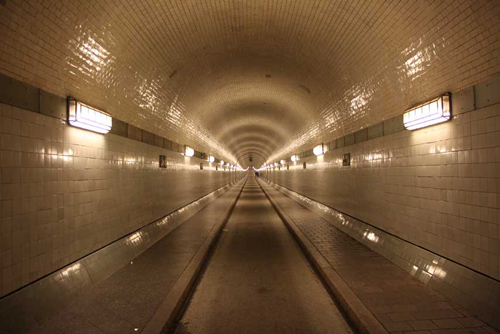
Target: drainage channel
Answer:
pixel 257 280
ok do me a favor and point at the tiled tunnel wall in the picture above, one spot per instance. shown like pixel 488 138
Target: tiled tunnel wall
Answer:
pixel 66 192
pixel 438 187
pixel 266 74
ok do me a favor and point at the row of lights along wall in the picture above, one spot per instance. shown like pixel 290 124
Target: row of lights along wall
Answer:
pixel 189 152
pixel 435 111
pixel 85 117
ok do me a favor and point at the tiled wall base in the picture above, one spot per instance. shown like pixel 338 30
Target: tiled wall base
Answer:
pixel 475 292
pixel 39 300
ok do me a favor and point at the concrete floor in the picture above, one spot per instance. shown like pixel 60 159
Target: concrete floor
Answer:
pixel 258 280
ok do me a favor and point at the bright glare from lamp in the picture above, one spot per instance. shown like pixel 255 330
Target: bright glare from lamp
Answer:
pixel 188 151
pixel 282 162
pixel 211 158
pixel 294 158
pixel 222 162
pixel 275 164
pixel 89 118
pixel 318 150
pixel 430 113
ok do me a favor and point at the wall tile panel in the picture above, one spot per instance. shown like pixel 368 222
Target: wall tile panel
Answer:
pixel 66 192
pixel 436 187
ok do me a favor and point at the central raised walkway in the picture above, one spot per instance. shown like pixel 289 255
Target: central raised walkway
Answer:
pixel 259 281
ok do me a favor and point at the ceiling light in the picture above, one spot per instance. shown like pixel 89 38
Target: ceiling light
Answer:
pixel 86 117
pixel 433 112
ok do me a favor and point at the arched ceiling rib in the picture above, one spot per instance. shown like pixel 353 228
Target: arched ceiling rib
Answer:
pixel 265 76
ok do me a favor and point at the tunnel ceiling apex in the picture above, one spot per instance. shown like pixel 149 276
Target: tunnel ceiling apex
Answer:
pixel 287 74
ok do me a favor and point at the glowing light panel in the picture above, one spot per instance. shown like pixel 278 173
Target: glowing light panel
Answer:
pixel 318 150
pixel 188 151
pixel 89 118
pixel 430 113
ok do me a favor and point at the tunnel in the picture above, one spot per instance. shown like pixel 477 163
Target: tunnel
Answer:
pixel 250 166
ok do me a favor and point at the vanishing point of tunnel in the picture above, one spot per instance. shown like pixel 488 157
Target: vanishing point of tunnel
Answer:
pixel 249 166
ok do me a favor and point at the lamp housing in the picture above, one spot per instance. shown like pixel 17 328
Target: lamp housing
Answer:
pixel 83 116
pixel 188 151
pixel 318 150
pixel 435 111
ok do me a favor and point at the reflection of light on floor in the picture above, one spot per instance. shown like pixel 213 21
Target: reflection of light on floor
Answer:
pixel 426 273
pixel 370 236
pixel 440 273
pixel 413 270
pixel 134 238
pixel 71 269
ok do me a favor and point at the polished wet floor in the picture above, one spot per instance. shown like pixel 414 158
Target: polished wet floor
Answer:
pixel 259 281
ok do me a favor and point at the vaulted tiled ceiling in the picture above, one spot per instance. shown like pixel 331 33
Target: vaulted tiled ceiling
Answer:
pixel 256 78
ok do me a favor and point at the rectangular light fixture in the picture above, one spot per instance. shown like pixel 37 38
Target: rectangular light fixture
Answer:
pixel 318 150
pixel 433 112
pixel 294 158
pixel 211 158
pixel 83 116
pixel 188 151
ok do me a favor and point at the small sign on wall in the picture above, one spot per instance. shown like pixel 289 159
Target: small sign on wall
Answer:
pixel 346 161
pixel 163 161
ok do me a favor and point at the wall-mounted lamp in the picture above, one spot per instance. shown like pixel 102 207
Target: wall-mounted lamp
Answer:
pixel 433 112
pixel 282 162
pixel 318 150
pixel 211 158
pixel 222 162
pixel 294 158
pixel 188 151
pixel 83 116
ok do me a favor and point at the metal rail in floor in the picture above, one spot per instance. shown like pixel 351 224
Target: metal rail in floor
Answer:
pixel 258 280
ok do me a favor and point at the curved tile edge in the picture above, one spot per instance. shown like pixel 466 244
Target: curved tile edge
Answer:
pixel 40 300
pixel 475 292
